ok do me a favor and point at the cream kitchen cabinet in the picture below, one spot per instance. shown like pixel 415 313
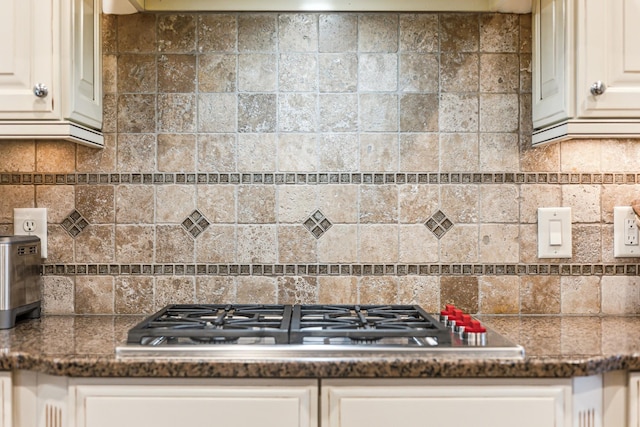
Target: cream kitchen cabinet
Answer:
pixel 50 70
pixel 586 69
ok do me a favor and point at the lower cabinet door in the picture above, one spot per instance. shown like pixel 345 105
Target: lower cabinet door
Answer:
pixel 490 405
pixel 160 405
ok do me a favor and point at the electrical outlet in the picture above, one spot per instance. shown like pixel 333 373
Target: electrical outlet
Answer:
pixel 625 232
pixel 31 222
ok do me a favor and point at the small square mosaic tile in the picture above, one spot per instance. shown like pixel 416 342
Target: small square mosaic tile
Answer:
pixel 439 224
pixel 74 223
pixel 195 223
pixel 317 224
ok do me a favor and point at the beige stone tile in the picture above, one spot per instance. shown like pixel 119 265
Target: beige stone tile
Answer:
pixel 540 295
pixel 216 244
pixel 177 33
pixel 378 152
pixel 499 112
pixel 215 290
pixel 419 112
pixel 419 152
pixel 338 113
pixel 459 32
pixel 57 295
pixel 584 201
pixel 257 290
pixel 217 112
pixel 176 112
pixel 460 244
pixel 378 204
pixel 296 245
pixel 297 290
pixel 217 73
pixel 460 291
pixel 18 156
pixel 499 32
pixel 378 243
pixel 587 243
pixel 94 295
pixel 134 295
pixel 136 73
pixel 136 33
pixel 499 243
pixel 378 112
pixel 459 152
pixel 499 152
pixel 337 152
pixel 338 72
pixel 499 203
pixel 297 152
pixel 525 34
pixel 526 114
pixel 257 32
pixel 339 244
pixel 109 32
pixel 616 195
pixel 217 33
pixel 620 155
pixel 459 72
pixel 134 243
pixel 419 32
pixel 337 290
pixel 526 68
pixel 95 244
pixel 256 204
pixel 177 73
pixel 257 153
pixel 174 290
pixel 136 113
pixel 135 204
pixel 176 152
pixel 378 290
pixel 174 203
pixel 500 72
pixel 417 244
pixel 109 116
pixel 417 203
pixel 15 196
pixel 536 196
pixel 580 295
pixel 620 295
pixel 174 244
pixel 55 156
pixel 109 74
pixel 104 160
pixel 338 202
pixel 583 155
pixel 298 32
pixel 421 290
pixel 459 203
pixel 58 199
pixel 296 203
pixel 419 72
pixel 216 153
pixel 96 203
pixel 257 244
pixel 59 244
pixel 217 203
pixel 378 32
pixel 257 112
pixel 257 72
pixel 297 112
pixel 458 112
pixel 136 152
pixel 499 294
pixel 377 72
pixel 607 244
pixel 337 32
pixel 539 159
pixel 297 72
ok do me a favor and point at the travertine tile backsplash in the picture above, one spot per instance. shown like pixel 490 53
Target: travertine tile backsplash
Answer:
pixel 332 158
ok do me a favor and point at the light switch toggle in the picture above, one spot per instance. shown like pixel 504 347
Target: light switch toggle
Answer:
pixel 555 232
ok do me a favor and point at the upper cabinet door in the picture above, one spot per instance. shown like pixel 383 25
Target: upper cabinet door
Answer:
pixel 26 59
pixel 608 52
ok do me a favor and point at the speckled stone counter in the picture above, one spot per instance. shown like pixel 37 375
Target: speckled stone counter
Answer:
pixel 84 346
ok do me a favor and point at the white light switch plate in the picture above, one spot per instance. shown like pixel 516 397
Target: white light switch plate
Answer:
pixel 554 233
pixel 31 221
pixel 625 232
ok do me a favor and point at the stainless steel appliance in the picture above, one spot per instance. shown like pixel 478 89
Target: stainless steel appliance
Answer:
pixel 311 331
pixel 19 278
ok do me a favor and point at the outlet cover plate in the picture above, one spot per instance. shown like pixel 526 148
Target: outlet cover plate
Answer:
pixel 39 216
pixel 554 233
pixel 620 216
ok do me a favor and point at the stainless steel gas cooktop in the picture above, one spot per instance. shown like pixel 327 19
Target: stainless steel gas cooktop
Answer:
pixel 253 331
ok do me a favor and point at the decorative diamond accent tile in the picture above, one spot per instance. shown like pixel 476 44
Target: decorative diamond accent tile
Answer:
pixel 439 224
pixel 317 224
pixel 195 223
pixel 74 223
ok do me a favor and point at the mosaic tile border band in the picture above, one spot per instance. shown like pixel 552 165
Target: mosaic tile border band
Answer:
pixel 342 269
pixel 317 178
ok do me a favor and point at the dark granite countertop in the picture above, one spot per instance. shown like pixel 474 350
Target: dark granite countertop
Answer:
pixel 556 346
